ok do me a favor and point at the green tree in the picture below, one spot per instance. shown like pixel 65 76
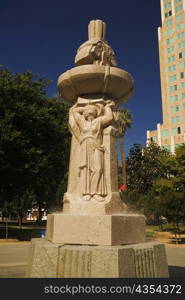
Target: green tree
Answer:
pixel 179 168
pixel 156 184
pixel 34 144
pixel 165 199
pixel 125 122
pixel 144 166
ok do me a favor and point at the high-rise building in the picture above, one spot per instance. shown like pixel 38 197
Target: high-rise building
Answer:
pixel 171 38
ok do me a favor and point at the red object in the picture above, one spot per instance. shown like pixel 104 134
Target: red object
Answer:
pixel 123 187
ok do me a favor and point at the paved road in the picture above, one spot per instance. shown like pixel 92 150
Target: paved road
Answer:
pixel 176 261
pixel 14 259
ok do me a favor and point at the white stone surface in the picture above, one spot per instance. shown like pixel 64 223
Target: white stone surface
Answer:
pixel 95 229
pixel 146 260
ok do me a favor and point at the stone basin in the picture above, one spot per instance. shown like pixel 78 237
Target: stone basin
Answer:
pixel 95 79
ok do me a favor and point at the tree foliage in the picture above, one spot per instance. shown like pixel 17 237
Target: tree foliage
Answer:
pixel 156 182
pixel 144 166
pixel 34 143
pixel 125 122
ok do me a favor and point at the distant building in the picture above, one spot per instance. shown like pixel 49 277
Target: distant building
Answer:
pixel 171 37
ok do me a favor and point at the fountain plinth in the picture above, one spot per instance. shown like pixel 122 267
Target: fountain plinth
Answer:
pixel 94 235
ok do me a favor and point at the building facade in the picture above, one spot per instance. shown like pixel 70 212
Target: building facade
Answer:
pixel 171 39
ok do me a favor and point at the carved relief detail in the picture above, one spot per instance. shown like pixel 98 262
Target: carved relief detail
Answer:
pixel 96 50
pixel 87 124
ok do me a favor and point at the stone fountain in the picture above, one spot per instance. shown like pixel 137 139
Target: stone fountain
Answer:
pixel 95 235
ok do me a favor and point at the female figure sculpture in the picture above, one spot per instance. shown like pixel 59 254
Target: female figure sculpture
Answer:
pixel 89 133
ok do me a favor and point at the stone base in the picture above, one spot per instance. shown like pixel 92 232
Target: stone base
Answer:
pixel 48 260
pixel 95 229
pixel 111 206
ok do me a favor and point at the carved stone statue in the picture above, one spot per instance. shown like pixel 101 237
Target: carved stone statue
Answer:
pixel 94 88
pixel 87 124
pixel 87 237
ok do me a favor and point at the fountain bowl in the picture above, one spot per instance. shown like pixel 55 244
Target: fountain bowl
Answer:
pixel 97 80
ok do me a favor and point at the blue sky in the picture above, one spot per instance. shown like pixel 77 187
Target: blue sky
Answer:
pixel 43 36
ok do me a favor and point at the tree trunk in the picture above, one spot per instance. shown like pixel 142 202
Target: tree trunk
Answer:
pixel 6 228
pixel 40 214
pixel 122 154
pixel 159 223
pixel 20 221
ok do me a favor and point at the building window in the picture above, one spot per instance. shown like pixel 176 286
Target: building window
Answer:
pixel 181 45
pixel 175 109
pixel 170 41
pixel 168 5
pixel 180 55
pixel 172 68
pixel 164 133
pixel 153 139
pixel 183 85
pixel 179 130
pixel 172 78
pixel 173 88
pixel 179 8
pixel 183 105
pixel 175 120
pixel 174 131
pixel 179 17
pixel 171 49
pixel 169 31
pixel 168 14
pixel 182 75
pixel 168 22
pixel 180 26
pixel 182 65
pixel 180 35
pixel 174 98
pixel 183 95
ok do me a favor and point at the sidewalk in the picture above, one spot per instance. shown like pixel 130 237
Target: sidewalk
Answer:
pixel 169 239
pixel 13 242
pixel 14 257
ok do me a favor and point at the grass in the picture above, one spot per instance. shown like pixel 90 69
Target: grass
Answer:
pixel 149 234
pixel 166 227
pixel 32 230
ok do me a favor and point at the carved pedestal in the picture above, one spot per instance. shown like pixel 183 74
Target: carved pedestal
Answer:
pixel 95 229
pixel 48 260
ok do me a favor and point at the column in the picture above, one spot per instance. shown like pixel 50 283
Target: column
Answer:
pixel 172 145
pixel 159 134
